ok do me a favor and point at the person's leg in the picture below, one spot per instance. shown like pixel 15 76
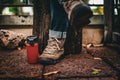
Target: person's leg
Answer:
pixel 57 34
pixel 59 20
pixel 79 14
pixel 63 12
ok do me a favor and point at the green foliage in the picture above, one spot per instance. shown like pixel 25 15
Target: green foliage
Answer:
pixel 98 10
pixel 13 9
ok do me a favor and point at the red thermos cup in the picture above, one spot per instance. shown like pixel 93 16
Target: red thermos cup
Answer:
pixel 32 49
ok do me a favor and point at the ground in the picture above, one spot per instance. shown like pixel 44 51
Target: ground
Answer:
pixel 94 63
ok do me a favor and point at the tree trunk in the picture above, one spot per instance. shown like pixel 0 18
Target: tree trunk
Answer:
pixel 41 22
pixel 109 19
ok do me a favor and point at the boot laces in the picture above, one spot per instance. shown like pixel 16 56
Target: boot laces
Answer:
pixel 53 46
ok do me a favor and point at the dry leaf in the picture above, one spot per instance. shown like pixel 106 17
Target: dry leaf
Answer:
pixel 50 73
pixel 97 58
pixel 96 71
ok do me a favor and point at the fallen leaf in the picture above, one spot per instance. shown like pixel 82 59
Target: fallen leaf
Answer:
pixel 97 58
pixel 95 72
pixel 50 73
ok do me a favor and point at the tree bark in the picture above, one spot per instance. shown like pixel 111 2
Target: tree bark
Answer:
pixel 109 19
pixel 41 22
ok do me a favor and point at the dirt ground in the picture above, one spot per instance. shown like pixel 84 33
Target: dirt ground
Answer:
pixel 95 63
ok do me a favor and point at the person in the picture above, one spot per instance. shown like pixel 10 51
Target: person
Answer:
pixel 60 21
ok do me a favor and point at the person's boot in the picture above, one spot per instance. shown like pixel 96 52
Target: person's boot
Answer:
pixel 78 12
pixel 53 51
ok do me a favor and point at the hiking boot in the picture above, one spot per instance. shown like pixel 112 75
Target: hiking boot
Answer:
pixel 78 12
pixel 76 7
pixel 53 51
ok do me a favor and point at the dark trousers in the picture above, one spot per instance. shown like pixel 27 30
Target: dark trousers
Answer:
pixel 64 12
pixel 59 20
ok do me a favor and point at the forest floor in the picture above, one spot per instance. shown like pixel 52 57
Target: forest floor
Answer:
pixel 94 63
